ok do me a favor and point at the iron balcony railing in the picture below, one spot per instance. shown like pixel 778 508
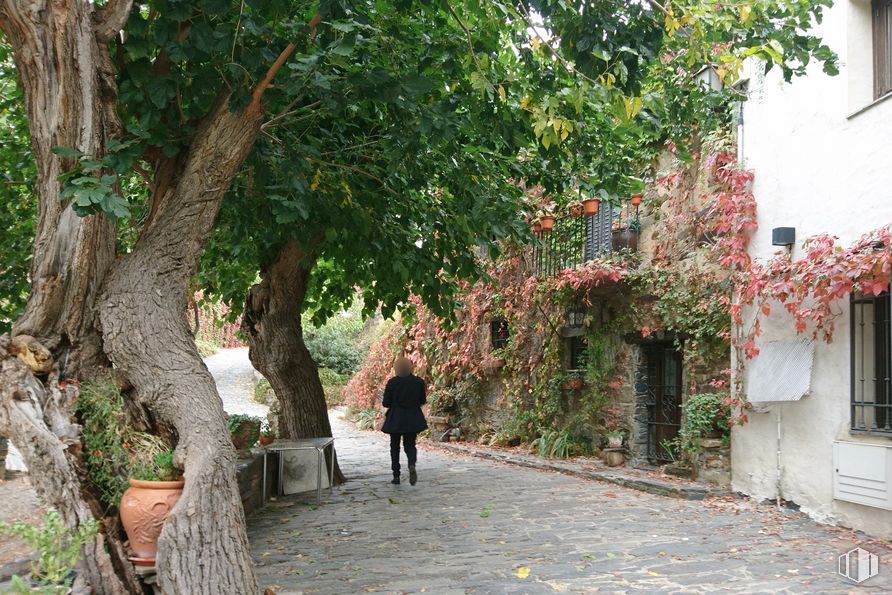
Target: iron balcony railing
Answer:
pixel 574 241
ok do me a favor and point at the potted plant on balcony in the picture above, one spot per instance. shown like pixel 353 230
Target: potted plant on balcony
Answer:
pixel 546 220
pixel 156 485
pixel 267 436
pixel 625 237
pixel 244 430
pixel 636 199
pixel 576 208
pixel 572 380
pixel 591 206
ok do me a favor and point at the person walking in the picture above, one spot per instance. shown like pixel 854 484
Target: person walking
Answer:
pixel 403 397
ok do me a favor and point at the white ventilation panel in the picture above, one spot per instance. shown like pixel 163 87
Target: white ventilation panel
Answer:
pixel 781 372
pixel 862 473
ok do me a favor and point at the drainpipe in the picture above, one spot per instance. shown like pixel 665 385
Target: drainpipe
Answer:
pixel 778 487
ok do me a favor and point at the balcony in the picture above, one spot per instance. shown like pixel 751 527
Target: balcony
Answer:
pixel 574 241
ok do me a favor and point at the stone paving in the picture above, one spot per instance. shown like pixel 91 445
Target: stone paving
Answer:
pixel 477 526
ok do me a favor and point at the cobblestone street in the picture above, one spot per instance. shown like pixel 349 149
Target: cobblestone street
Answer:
pixel 474 526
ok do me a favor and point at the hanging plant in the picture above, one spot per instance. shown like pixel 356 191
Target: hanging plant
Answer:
pixel 576 209
pixel 547 222
pixel 591 206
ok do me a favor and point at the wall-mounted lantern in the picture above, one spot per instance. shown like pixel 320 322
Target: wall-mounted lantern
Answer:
pixel 783 236
pixel 576 316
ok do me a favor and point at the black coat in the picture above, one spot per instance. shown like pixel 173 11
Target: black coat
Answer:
pixel 404 396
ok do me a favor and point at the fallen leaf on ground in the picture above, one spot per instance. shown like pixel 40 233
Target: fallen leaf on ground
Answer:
pixel 522 572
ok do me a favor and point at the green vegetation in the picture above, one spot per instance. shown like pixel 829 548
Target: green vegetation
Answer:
pixel 366 418
pixel 261 390
pixel 113 452
pixel 18 201
pixel 59 551
pixel 705 415
pixel 333 385
pixel 336 343
pixel 159 467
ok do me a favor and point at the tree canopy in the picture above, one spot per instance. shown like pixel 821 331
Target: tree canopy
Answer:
pixel 414 139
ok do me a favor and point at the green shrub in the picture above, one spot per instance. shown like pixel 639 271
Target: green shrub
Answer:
pixel 336 344
pixel 366 419
pixel 99 407
pixel 159 467
pixel 333 386
pixel 58 549
pixel 260 391
pixel 556 444
pixel 113 451
pixel 704 414
pixel 206 348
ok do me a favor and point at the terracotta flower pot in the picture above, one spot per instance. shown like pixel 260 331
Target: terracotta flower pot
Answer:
pixel 572 384
pixel 537 227
pixel 576 210
pixel 547 222
pixel 246 435
pixel 144 506
pixel 267 440
pixel 625 239
pixel 591 206
pixel 614 458
pixel 636 200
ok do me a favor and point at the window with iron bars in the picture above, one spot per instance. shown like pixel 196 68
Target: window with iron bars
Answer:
pixel 499 334
pixel 577 347
pixel 871 361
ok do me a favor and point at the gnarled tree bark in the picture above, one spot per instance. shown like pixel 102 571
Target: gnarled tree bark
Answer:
pixel 70 93
pixel 272 322
pixel 203 546
pixel 87 310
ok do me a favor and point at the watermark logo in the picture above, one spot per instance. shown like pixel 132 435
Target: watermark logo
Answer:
pixel 858 565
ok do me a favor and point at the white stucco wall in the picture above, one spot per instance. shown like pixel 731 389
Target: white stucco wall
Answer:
pixel 820 169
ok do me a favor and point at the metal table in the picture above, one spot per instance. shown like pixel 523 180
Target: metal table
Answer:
pixel 317 444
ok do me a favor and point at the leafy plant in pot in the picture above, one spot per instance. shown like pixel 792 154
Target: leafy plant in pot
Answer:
pixel 576 208
pixel 267 436
pixel 572 380
pixel 626 237
pixel 156 485
pixel 547 222
pixel 615 439
pixel 244 430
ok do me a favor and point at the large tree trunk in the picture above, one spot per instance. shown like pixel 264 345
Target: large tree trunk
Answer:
pixel 203 546
pixel 272 322
pixel 61 55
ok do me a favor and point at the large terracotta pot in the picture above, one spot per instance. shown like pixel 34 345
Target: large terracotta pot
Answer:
pixel 144 506
pixel 625 240
pixel 591 206
pixel 547 222
pixel 247 435
pixel 614 458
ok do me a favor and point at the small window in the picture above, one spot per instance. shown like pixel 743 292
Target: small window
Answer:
pixel 871 320
pixel 499 334
pixel 578 345
pixel 882 47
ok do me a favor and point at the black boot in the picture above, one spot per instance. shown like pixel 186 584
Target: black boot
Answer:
pixel 396 479
pixel 413 476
